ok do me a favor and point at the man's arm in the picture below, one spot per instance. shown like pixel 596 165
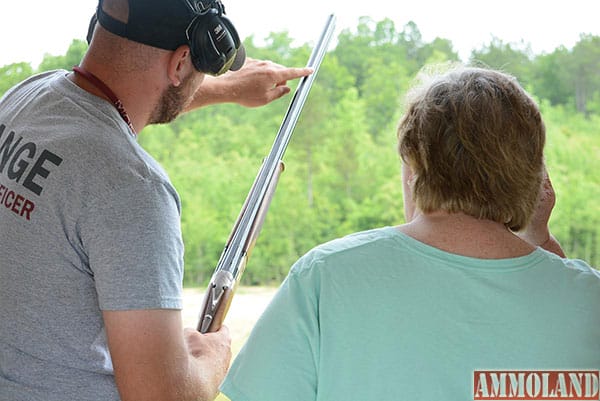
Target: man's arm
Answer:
pixel 155 360
pixel 257 83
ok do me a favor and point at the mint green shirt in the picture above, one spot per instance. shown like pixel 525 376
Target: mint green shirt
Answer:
pixel 380 316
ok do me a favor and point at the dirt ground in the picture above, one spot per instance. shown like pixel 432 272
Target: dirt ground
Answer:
pixel 247 305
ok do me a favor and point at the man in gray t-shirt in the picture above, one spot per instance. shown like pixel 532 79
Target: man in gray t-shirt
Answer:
pixel 91 255
pixel 93 225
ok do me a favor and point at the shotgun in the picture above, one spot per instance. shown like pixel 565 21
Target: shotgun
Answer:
pixel 242 238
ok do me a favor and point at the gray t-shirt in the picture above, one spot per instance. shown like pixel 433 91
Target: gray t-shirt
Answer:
pixel 88 222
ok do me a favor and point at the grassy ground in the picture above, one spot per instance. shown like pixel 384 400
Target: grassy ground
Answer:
pixel 247 305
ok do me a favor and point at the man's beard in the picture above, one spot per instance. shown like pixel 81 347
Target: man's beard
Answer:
pixel 172 102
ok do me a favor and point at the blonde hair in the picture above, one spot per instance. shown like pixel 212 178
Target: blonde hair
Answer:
pixel 474 140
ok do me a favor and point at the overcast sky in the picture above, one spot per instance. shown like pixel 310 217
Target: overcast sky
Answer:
pixel 29 29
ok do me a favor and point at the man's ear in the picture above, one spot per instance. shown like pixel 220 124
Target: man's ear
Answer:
pixel 179 65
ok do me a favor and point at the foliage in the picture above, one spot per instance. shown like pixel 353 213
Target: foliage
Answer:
pixel 342 172
pixel 509 57
pixel 12 74
pixel 74 55
pixel 573 156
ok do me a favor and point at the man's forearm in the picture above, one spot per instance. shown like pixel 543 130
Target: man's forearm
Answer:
pixel 212 91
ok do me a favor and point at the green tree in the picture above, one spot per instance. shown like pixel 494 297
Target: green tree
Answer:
pixel 12 74
pixel 573 159
pixel 353 50
pixel 382 92
pixel 585 68
pixel 515 59
pixel 73 57
pixel 551 77
pixel 440 50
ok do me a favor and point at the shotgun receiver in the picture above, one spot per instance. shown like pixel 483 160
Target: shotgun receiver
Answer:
pixel 245 231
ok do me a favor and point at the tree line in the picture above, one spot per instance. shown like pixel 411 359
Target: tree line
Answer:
pixel 342 171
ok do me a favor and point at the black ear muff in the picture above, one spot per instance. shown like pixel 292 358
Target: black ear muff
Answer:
pixel 214 42
pixel 91 28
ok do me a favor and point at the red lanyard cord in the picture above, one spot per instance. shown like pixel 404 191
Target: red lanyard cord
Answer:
pixel 94 80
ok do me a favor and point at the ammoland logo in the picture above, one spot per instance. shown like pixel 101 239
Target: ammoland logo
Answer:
pixel 536 385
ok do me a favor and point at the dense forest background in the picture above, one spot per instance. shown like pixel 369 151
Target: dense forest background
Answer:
pixel 342 171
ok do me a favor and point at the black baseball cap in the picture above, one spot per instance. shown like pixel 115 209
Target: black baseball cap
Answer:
pixel 161 23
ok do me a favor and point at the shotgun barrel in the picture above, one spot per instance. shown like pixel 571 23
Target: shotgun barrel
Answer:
pixel 242 238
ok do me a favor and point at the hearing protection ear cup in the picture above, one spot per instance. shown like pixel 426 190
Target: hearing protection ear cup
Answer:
pixel 91 28
pixel 214 42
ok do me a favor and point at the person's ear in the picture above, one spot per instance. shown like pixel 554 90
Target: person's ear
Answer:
pixel 179 65
pixel 408 179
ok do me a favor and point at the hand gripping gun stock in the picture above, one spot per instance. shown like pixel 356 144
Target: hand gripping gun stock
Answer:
pixel 242 238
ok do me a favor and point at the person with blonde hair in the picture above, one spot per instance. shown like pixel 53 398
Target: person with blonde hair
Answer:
pixel 473 281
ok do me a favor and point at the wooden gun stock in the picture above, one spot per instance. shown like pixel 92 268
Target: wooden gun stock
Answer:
pixel 242 238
